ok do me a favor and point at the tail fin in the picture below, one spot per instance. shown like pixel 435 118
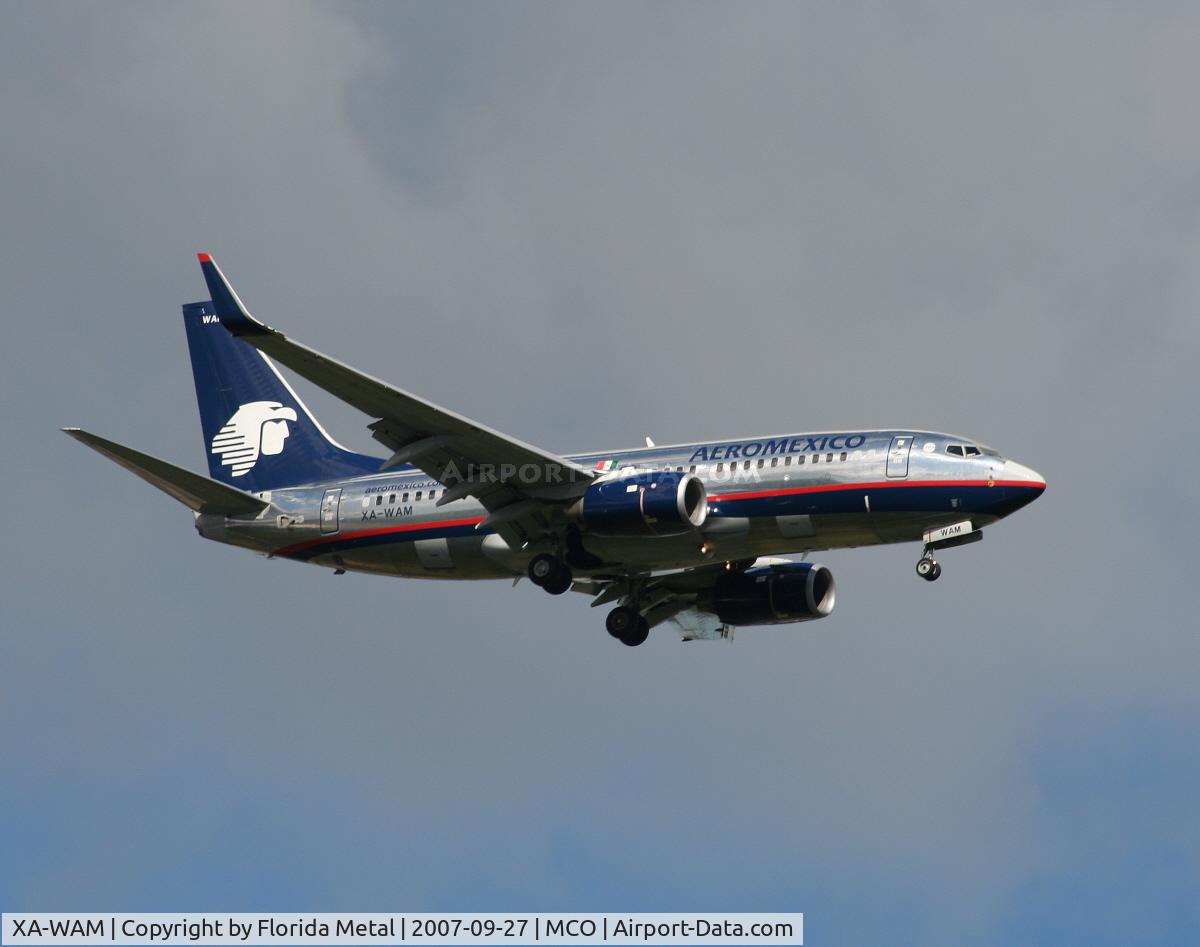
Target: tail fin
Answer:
pixel 258 435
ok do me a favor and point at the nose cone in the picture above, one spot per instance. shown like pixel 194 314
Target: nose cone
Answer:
pixel 1019 486
pixel 1021 476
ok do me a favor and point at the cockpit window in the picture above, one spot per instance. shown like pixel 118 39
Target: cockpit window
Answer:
pixel 972 450
pixel 955 449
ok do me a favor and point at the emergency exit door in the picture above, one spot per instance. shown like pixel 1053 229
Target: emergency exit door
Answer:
pixel 897 461
pixel 329 510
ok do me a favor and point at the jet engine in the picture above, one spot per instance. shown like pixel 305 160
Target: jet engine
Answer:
pixel 775 594
pixel 660 503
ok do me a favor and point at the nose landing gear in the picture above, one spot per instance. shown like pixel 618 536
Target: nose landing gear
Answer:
pixel 945 537
pixel 928 568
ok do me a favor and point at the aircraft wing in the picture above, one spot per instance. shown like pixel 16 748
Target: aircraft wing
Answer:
pixel 192 490
pixel 470 458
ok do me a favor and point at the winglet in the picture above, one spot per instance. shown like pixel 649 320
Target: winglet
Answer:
pixel 233 314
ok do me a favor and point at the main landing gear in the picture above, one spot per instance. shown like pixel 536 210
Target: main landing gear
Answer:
pixel 550 573
pixel 928 568
pixel 627 625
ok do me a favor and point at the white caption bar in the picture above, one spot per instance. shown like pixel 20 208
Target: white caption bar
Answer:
pixel 185 930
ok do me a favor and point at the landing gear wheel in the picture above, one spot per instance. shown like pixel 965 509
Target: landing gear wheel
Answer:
pixel 621 620
pixel 637 634
pixel 559 582
pixel 550 573
pixel 542 568
pixel 627 626
pixel 928 569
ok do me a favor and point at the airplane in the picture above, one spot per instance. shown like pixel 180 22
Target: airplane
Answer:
pixel 695 534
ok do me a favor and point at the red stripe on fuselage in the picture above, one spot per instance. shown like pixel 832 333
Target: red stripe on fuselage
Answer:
pixel 383 531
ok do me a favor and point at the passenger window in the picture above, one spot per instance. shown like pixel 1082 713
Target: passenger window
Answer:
pixel 404 499
pixel 843 455
pixel 760 464
pixel 392 498
pixel 815 458
pixel 829 458
pixel 787 461
pixel 746 465
pixel 379 500
pixel 774 461
pixel 720 468
pixel 432 494
pixel 418 494
pixel 692 469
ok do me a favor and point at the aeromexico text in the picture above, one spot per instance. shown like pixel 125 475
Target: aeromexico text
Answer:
pixel 748 450
pixel 704 454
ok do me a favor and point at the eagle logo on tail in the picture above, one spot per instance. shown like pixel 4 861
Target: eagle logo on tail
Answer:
pixel 257 428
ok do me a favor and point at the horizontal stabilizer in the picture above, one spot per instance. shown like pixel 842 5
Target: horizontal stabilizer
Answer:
pixel 192 490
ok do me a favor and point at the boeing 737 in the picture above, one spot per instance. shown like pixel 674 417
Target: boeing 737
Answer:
pixel 693 534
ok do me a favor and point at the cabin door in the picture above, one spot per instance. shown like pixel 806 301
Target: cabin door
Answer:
pixel 329 510
pixel 897 461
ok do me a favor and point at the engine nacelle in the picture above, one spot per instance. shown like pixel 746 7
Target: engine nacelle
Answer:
pixel 658 502
pixel 775 594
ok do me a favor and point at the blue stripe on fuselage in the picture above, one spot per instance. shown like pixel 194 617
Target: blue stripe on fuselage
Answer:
pixel 901 497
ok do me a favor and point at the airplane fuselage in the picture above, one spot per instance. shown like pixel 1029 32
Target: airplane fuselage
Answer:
pixel 766 496
pixel 696 534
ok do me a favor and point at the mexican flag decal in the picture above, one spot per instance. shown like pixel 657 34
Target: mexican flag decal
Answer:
pixel 606 465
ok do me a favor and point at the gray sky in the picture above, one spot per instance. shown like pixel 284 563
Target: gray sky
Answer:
pixel 583 224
